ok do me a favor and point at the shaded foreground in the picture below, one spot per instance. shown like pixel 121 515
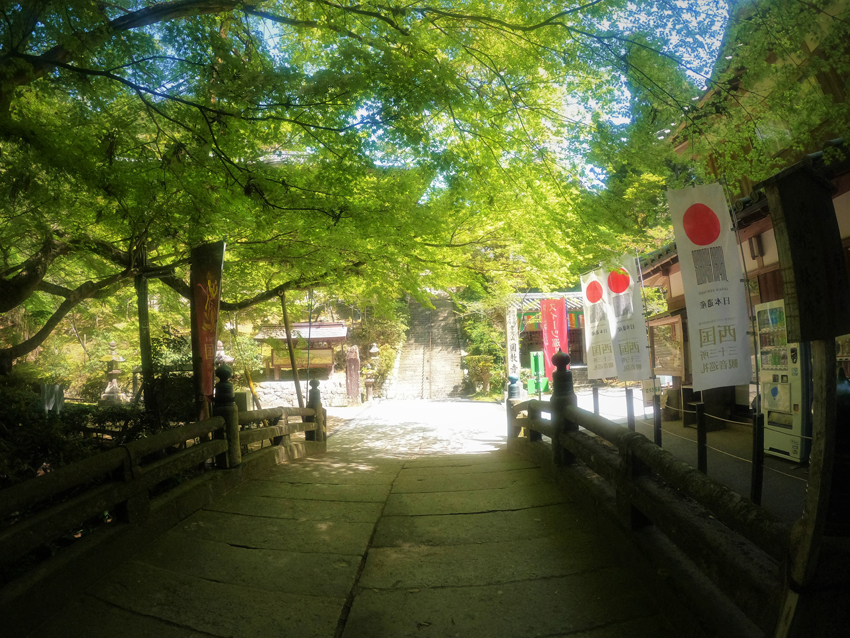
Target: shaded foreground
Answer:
pixel 379 545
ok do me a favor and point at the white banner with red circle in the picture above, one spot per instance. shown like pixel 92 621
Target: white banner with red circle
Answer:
pixel 715 293
pixel 626 320
pixel 597 331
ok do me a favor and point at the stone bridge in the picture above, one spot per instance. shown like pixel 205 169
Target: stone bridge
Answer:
pixel 411 518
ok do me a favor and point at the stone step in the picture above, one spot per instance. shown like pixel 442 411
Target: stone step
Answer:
pixel 430 361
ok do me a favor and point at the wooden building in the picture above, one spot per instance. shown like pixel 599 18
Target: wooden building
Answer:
pixel 320 336
pixel 525 334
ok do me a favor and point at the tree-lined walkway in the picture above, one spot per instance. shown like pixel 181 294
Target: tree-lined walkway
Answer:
pixel 415 522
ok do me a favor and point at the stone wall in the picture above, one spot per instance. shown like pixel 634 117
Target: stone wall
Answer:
pixel 579 375
pixel 273 394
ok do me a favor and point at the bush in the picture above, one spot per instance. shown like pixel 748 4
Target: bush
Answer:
pixel 31 440
pixel 171 358
pixel 480 370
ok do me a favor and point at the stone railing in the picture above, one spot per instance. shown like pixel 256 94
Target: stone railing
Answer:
pixel 739 546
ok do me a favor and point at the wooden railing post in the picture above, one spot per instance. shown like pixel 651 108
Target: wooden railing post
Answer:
pixel 314 401
pixel 656 418
pixel 224 406
pixel 757 476
pixel 702 442
pixel 563 395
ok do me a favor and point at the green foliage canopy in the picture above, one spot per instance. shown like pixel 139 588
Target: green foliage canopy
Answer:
pixel 411 145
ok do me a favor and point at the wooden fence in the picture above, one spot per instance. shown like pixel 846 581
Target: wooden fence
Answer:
pixel 737 544
pixel 125 475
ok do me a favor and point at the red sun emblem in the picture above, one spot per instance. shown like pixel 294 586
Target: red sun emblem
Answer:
pixel 593 291
pixel 701 225
pixel 618 280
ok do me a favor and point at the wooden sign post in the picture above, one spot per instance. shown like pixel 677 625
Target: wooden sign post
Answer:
pixel 817 309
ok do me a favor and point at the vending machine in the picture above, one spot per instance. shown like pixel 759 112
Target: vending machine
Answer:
pixel 784 376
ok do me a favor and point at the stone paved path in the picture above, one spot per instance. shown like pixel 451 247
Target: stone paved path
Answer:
pixel 415 523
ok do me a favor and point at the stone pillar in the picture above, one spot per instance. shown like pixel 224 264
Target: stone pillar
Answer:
pixel 563 396
pixel 352 375
pixel 314 400
pixel 225 406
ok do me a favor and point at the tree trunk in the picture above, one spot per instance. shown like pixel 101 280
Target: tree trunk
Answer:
pixel 145 351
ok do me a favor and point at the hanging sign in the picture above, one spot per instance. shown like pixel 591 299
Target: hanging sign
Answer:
pixel 512 332
pixel 205 282
pixel 553 316
pixel 597 332
pixel 626 320
pixel 715 294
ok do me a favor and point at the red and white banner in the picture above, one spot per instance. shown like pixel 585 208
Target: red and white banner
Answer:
pixel 715 294
pixel 553 316
pixel 597 332
pixel 627 324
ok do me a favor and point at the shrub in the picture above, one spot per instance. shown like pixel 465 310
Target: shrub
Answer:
pixel 480 369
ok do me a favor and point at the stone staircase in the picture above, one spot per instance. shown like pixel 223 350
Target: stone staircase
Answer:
pixel 430 362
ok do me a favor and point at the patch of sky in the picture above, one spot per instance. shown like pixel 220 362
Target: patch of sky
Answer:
pixel 687 31
pixel 692 32
pixel 439 184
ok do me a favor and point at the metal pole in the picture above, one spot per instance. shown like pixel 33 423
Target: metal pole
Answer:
pixel 757 477
pixel 291 350
pixel 430 353
pixel 702 450
pixel 656 418
pixel 596 400
pixel 537 362
pixel 630 410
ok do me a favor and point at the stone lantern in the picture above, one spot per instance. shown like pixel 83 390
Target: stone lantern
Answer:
pixel 220 357
pixel 113 394
pixel 371 368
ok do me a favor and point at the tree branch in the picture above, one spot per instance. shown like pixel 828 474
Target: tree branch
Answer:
pixel 15 290
pixel 39 65
pixel 548 22
pixel 182 288
pixel 81 293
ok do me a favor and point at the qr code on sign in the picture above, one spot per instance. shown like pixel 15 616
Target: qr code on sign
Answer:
pixel 709 265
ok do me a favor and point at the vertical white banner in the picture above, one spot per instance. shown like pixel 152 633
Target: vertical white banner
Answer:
pixel 715 293
pixel 597 332
pixel 626 320
pixel 512 333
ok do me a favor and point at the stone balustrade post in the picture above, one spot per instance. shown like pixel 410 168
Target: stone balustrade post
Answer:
pixel 534 415
pixel 314 401
pixel 224 405
pixel 512 400
pixel 563 395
